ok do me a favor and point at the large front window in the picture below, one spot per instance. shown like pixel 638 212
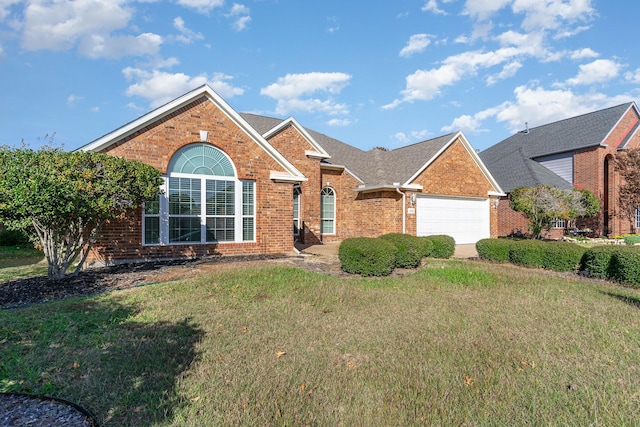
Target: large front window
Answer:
pixel 296 210
pixel 203 201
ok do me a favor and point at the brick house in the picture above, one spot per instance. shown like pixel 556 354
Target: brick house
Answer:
pixel 576 152
pixel 247 184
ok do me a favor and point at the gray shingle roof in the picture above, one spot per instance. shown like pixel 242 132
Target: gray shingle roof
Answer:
pixel 511 160
pixel 374 167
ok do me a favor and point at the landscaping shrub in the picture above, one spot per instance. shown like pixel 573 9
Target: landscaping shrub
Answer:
pixel 12 237
pixel 367 256
pixel 597 261
pixel 625 265
pixel 442 246
pixel 632 239
pixel 562 256
pixel 527 253
pixel 411 249
pixel 496 250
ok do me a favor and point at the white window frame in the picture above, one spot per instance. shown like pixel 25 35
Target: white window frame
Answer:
pixel 239 217
pixel 297 194
pixel 559 223
pixel 322 217
pixel 637 217
pixel 146 215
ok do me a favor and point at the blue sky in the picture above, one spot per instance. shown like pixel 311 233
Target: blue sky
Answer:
pixel 380 73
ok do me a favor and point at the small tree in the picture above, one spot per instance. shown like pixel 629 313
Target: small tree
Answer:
pixel 64 198
pixel 542 205
pixel 627 164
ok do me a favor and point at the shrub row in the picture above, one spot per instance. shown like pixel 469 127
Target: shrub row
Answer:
pixel 557 256
pixel 379 256
pixel 620 263
pixel 12 237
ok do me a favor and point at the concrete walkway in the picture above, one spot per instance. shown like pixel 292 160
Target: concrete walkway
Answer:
pixel 331 249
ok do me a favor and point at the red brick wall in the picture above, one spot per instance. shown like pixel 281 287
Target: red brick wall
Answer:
pixel 156 143
pixel 292 145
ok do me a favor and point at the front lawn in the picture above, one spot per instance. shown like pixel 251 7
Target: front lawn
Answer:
pixel 455 343
pixel 21 261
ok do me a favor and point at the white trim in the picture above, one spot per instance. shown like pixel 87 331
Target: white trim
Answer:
pixel 283 177
pixel 335 210
pixel 632 106
pixel 172 106
pixel 388 187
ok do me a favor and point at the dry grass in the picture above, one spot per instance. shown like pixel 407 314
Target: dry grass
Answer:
pixel 456 343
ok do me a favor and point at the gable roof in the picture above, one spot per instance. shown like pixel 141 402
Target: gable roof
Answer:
pixel 512 160
pixel 378 168
pixel 291 173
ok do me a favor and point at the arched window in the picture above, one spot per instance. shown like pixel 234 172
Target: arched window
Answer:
pixel 328 211
pixel 203 201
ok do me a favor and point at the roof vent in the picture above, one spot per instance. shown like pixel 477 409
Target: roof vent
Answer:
pixel 526 127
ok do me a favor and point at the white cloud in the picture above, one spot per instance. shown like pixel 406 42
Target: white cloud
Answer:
pixel 509 70
pixel 5 6
pixel 401 138
pixel 552 14
pixel 98 46
pixel 483 9
pixel 202 6
pixel 339 122
pixel 1 53
pixel 432 6
pixel 424 85
pixel 598 71
pixel 633 76
pixel 88 24
pixel 417 43
pixel 583 53
pixel 161 87
pixel 186 35
pixel 294 92
pixel 239 14
pixel 537 106
pixel 73 99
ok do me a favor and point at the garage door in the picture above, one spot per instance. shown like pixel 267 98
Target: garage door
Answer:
pixel 466 220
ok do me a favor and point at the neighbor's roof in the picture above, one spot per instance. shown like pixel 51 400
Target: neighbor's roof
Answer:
pixel 512 163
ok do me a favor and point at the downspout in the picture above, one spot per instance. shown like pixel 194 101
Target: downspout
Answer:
pixel 404 210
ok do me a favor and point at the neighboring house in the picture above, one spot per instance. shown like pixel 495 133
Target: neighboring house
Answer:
pixel 248 184
pixel 577 152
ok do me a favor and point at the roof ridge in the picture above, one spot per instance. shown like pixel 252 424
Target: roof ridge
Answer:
pixel 626 104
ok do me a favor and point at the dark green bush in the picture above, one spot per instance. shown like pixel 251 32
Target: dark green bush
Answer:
pixel 496 250
pixel 367 256
pixel 443 246
pixel 625 265
pixel 12 237
pixel 528 253
pixel 596 261
pixel 428 246
pixel 562 256
pixel 411 249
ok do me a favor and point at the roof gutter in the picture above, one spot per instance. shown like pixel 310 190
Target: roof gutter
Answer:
pixel 396 186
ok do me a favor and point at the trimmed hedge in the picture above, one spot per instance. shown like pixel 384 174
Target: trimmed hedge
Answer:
pixel 367 256
pixel 443 246
pixel 596 261
pixel 527 253
pixel 562 256
pixel 625 265
pixel 496 250
pixel 411 249
pixel 620 263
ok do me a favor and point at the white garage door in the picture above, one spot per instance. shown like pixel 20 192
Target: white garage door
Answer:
pixel 466 220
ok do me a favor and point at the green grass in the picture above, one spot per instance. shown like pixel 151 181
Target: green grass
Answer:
pixel 21 261
pixel 456 343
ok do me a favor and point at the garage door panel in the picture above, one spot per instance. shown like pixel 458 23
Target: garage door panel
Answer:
pixel 466 220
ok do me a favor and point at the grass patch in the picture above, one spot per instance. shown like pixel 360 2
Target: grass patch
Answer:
pixel 455 343
pixel 21 261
